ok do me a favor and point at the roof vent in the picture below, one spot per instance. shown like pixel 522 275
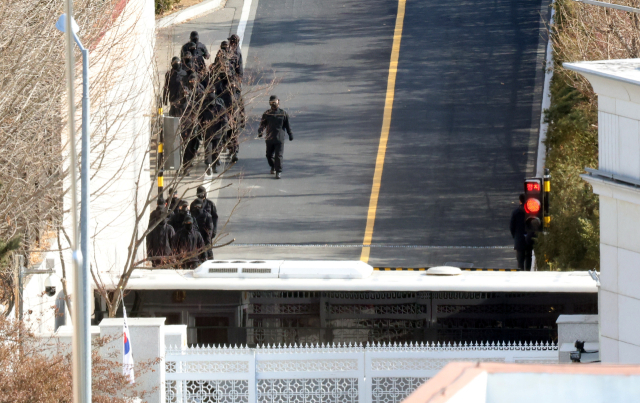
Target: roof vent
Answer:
pixel 224 270
pixel 256 271
pixel 238 269
pixel 444 271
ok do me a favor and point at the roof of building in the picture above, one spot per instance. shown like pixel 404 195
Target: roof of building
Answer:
pixel 627 70
pixel 578 282
pixel 502 383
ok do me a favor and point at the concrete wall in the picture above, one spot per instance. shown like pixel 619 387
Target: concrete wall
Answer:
pixel 147 343
pixel 617 83
pixel 122 77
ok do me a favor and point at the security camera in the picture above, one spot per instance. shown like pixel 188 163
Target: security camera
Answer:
pixel 49 288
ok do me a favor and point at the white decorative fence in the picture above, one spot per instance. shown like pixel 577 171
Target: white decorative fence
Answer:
pixel 380 373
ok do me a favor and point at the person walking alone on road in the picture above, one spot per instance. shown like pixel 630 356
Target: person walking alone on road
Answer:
pixel 188 245
pixel 521 242
pixel 275 122
pixel 173 93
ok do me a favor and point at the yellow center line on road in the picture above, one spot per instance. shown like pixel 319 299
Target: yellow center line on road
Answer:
pixel 384 135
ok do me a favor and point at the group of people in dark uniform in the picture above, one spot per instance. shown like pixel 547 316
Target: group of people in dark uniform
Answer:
pixel 183 232
pixel 207 99
pixel 209 102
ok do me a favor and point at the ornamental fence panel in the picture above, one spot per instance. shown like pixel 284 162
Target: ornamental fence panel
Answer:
pixel 377 373
pixel 210 375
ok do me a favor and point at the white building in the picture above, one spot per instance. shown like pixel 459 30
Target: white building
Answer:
pixel 617 182
pixel 121 74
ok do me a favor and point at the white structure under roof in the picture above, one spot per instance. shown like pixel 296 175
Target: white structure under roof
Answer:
pixel 316 269
pixel 617 182
pixel 578 282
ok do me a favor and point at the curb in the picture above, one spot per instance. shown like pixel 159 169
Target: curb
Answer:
pixel 425 268
pixel 189 13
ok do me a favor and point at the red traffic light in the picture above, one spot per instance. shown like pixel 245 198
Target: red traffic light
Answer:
pixel 532 206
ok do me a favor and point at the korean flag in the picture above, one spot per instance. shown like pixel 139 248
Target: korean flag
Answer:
pixel 127 357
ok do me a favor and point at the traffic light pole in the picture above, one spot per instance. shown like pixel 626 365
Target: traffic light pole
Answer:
pixel 160 165
pixel 547 193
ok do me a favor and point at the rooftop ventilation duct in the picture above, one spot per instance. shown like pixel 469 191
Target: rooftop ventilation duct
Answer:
pixel 238 269
pixel 286 269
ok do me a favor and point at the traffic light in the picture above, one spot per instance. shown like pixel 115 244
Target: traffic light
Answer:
pixel 533 204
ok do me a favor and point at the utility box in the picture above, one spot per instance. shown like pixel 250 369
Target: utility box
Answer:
pixel 172 143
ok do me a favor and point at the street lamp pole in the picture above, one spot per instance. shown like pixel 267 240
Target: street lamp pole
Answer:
pixel 609 5
pixel 81 288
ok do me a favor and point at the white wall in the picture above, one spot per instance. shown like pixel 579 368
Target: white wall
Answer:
pixel 617 83
pixel 122 77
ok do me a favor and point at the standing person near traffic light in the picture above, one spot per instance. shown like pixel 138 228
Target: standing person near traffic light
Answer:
pixel 522 243
pixel 172 93
pixel 274 123
pixel 188 245
pixel 200 50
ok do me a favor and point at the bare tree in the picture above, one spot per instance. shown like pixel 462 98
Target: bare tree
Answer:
pixel 594 33
pixel 34 191
pixel 37 369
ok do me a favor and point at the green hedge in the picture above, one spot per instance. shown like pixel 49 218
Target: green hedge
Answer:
pixel 572 241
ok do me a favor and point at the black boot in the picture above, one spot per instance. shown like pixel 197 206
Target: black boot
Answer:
pixel 278 175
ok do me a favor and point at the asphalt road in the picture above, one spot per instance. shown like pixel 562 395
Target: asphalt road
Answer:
pixel 463 131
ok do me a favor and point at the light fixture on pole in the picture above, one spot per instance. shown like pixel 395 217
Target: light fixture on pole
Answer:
pixel 81 289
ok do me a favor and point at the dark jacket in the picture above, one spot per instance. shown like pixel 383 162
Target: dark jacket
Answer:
pixel 159 240
pixel 209 207
pixel 275 123
pixel 517 228
pixel 186 242
pixel 190 118
pixel 157 214
pixel 205 225
pixel 215 120
pixel 201 50
pixel 173 80
pixel 235 59
pixel 177 218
